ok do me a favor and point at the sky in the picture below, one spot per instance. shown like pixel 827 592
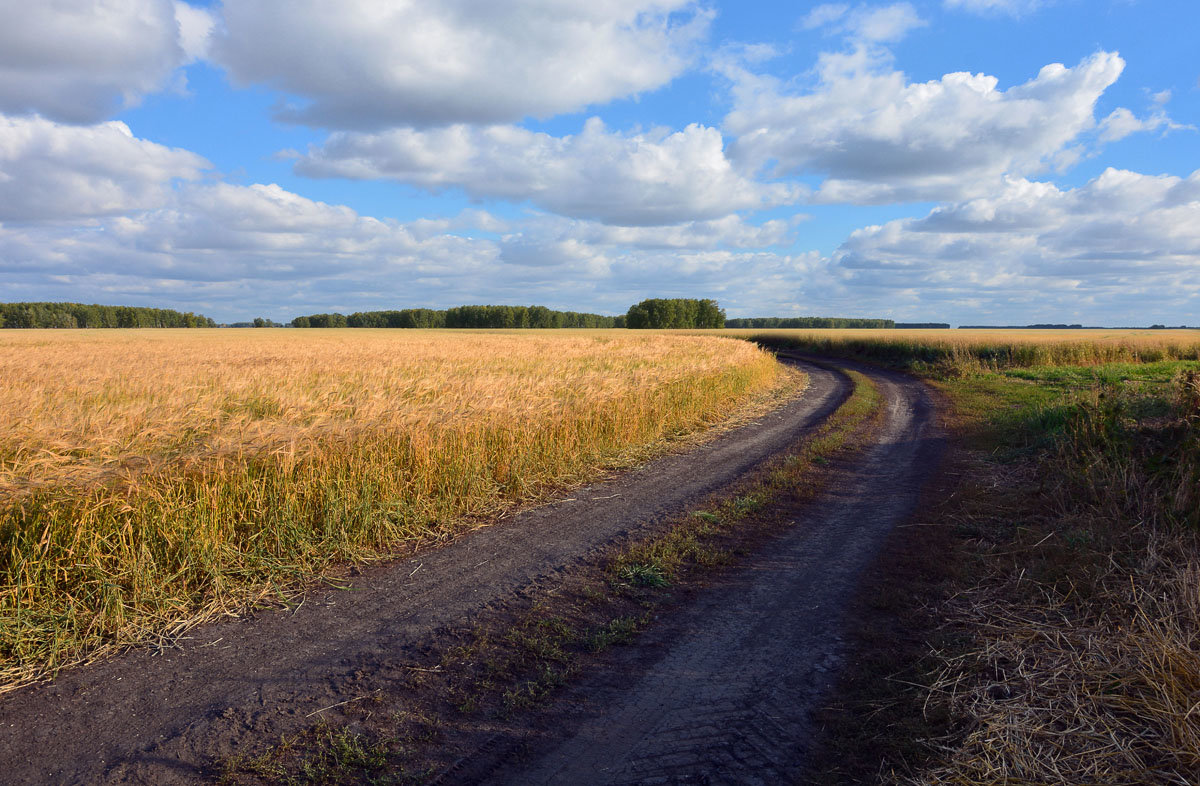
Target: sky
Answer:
pixel 961 161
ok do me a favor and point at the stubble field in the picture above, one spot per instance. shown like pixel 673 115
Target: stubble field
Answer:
pixel 149 480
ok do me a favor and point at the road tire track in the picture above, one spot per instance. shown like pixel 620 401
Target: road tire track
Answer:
pixel 723 691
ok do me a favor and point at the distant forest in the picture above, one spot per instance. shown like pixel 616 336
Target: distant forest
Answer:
pixel 462 317
pixel 80 315
pixel 809 322
pixel 654 313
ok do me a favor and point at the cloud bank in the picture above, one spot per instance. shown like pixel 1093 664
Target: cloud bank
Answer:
pixel 455 61
pixel 881 139
pixel 658 177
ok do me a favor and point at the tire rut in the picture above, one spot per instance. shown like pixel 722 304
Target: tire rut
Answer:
pixel 160 716
pixel 722 692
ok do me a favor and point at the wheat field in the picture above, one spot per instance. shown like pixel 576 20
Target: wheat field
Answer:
pixel 988 349
pixel 151 479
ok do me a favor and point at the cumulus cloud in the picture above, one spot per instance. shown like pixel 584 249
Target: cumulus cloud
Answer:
pixel 214 242
pixel 79 61
pixel 54 172
pixel 455 61
pixel 1041 249
pixel 657 177
pixel 879 138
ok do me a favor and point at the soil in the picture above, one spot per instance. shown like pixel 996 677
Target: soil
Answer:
pixel 751 657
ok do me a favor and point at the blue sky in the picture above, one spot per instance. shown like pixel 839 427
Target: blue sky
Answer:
pixel 969 161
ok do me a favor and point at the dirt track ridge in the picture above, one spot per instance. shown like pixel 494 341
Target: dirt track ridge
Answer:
pixel 160 717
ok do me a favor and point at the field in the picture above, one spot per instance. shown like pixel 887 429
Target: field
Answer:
pixel 968 351
pixel 153 479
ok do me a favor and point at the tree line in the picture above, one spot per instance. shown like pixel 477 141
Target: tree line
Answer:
pixel 809 322
pixel 655 313
pixel 461 317
pixel 80 315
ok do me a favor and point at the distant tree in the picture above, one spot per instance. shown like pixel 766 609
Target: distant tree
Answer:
pixel 659 313
pixel 260 322
pixel 808 322
pixel 333 320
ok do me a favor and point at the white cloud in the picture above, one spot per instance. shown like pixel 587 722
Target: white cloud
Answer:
pixel 824 14
pixel 1121 123
pixel 79 61
pixel 657 177
pixel 728 233
pixel 195 28
pixel 221 235
pixel 1122 241
pixel 991 7
pixel 875 24
pixel 53 172
pixel 879 138
pixel 455 61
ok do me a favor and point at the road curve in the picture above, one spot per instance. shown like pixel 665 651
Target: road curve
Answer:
pixel 159 717
pixel 722 692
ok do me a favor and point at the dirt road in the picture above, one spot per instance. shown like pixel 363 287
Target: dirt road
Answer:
pixel 722 692
pixel 160 717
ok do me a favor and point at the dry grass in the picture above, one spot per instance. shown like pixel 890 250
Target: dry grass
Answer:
pixel 1084 665
pixel 155 479
pixel 1105 692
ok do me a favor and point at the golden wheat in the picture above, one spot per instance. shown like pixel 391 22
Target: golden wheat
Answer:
pixel 152 477
pixel 968 351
